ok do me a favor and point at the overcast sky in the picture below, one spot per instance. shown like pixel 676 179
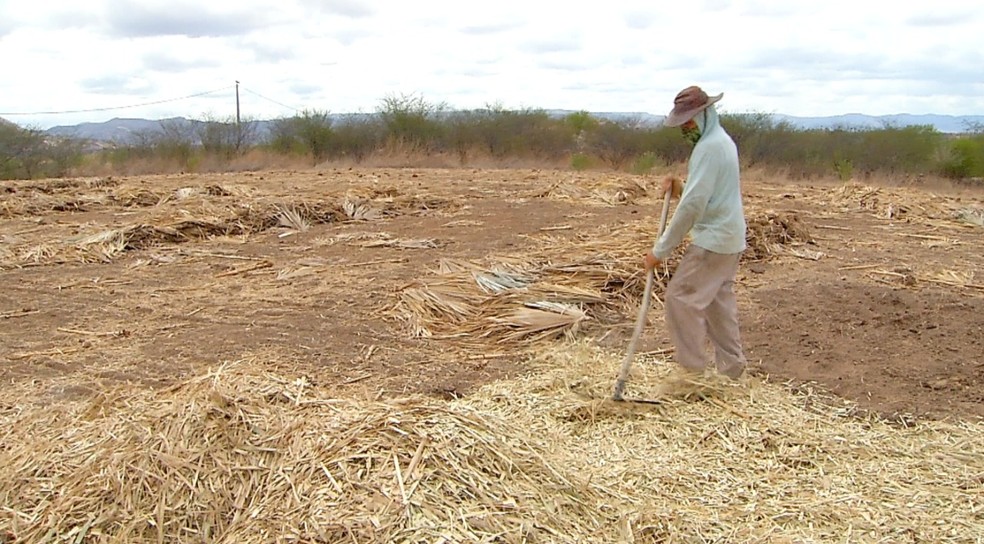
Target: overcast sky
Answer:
pixel 798 58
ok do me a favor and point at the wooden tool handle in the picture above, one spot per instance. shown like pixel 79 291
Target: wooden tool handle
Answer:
pixel 623 374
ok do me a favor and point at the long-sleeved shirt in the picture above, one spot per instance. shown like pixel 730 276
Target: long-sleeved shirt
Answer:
pixel 710 207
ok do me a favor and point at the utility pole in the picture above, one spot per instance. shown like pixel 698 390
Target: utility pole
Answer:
pixel 237 102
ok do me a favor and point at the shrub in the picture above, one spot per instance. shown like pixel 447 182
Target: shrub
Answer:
pixel 964 159
pixel 309 133
pixel 412 121
pixel 580 161
pixel 644 163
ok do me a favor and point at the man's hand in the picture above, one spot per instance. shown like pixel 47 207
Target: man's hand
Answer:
pixel 673 183
pixel 650 262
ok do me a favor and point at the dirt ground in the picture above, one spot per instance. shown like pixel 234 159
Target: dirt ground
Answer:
pixel 151 279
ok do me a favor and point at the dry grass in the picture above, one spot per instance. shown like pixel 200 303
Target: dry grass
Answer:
pixel 240 454
pixel 750 462
pixel 894 203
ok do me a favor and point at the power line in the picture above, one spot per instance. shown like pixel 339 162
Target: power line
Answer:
pixel 118 107
pixel 271 100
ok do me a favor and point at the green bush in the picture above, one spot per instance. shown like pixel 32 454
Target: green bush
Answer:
pixel 580 161
pixel 412 121
pixel 964 159
pixel 225 138
pixel 356 137
pixel 26 153
pixel 618 143
pixel 644 163
pixel 308 133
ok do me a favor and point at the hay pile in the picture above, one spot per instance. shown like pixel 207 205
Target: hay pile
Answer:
pixel 606 191
pixel 372 203
pixel 894 204
pixel 244 455
pixel 773 233
pixel 31 204
pixel 566 289
pixel 750 462
pixel 239 455
pixel 516 301
pixel 192 213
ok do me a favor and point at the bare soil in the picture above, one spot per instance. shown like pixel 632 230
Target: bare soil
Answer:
pixel 886 308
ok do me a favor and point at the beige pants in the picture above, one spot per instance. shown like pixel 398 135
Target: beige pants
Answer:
pixel 700 303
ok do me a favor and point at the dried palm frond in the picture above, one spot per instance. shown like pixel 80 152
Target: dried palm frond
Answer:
pixel 972 216
pixel 360 210
pixel 399 243
pixel 497 282
pixel 536 321
pixel 293 219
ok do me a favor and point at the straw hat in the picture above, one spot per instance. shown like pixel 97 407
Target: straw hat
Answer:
pixel 689 102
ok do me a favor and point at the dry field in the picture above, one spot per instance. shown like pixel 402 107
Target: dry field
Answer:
pixel 416 355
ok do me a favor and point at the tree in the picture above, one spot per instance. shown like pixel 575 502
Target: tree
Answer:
pixel 409 119
pixel 226 138
pixel 21 151
pixel 308 132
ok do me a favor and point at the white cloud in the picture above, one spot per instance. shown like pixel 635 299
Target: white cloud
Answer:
pixel 627 55
pixel 346 8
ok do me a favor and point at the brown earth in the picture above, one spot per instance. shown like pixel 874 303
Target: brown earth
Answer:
pixel 884 308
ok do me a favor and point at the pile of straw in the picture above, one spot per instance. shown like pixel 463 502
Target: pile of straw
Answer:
pixel 67 195
pixel 514 301
pixel 245 455
pixel 892 203
pixel 606 191
pixel 106 245
pixel 746 462
pixel 73 195
pixel 372 203
pixel 137 198
pixel 210 219
pixel 568 289
pixel 769 232
pixel 30 204
pixel 239 455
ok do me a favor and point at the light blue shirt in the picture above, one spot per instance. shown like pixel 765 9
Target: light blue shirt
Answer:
pixel 710 208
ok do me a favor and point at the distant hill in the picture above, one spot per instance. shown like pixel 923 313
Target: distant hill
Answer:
pixel 122 130
pixel 943 123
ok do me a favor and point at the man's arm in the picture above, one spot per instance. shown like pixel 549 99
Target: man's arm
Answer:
pixel 696 194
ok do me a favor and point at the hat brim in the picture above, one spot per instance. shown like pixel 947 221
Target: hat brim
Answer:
pixel 677 118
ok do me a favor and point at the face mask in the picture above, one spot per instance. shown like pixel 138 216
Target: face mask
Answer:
pixel 692 129
pixel 691 132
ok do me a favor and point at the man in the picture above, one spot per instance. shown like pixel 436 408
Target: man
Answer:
pixel 700 301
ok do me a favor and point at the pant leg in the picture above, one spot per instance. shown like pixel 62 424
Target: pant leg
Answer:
pixel 687 295
pixel 723 329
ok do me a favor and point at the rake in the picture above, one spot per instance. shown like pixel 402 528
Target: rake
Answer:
pixel 623 373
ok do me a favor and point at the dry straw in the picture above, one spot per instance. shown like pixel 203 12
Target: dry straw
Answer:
pixel 898 204
pixel 606 191
pixel 747 462
pixel 242 455
pixel 190 214
pixel 595 280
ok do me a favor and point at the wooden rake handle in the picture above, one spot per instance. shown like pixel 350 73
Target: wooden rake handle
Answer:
pixel 623 373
